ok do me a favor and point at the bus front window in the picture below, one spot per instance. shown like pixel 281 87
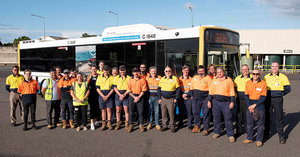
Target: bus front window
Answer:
pixel 225 56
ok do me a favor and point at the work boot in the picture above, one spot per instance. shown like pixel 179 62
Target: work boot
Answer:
pixel 25 127
pixel 231 139
pixel 130 127
pixel 64 126
pixel 78 128
pixel 259 143
pixel 173 129
pixel 72 123
pixel 126 125
pixel 149 126
pixel 196 129
pixel 142 128
pixel 205 132
pixel 215 136
pixel 118 125
pixel 246 141
pixel 49 126
pixel 158 127
pixel 109 125
pixel 57 124
pixel 103 127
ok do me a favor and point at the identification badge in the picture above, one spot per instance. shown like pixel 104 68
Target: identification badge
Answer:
pixel 195 79
pixel 258 89
pixel 171 80
pixel 216 82
pixel 189 84
pixel 157 79
pixel 277 84
pixel 76 109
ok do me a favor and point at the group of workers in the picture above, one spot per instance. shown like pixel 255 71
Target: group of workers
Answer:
pixel 213 94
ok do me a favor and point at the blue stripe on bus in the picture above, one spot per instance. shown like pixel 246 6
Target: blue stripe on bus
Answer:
pixel 122 38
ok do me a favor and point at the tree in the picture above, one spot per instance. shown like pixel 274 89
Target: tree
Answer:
pixel 17 40
pixel 8 44
pixel 84 35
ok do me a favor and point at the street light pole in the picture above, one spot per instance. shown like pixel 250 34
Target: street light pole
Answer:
pixel 192 16
pixel 43 23
pixel 116 15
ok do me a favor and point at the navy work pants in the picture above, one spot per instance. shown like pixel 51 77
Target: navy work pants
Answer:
pixel 220 108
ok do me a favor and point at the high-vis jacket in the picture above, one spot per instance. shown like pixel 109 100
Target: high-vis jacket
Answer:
pixel 49 90
pixel 278 85
pixel 200 87
pixel 255 93
pixel 80 92
pixel 12 82
pixel 185 84
pixel 240 83
pixel 169 87
pixel 152 83
pixel 222 90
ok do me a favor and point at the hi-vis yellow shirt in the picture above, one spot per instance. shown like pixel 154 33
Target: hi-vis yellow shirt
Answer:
pixel 169 87
pixel 12 82
pixel 100 72
pixel 240 82
pixel 104 83
pixel 120 83
pixel 278 85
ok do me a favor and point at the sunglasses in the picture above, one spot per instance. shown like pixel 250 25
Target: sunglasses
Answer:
pixel 167 71
pixel 255 73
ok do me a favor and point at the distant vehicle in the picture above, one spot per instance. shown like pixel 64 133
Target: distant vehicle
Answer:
pixel 135 44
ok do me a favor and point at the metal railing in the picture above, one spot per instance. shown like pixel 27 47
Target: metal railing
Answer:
pixel 282 68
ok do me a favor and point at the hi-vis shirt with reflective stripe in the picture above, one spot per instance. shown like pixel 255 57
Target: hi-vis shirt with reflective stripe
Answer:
pixel 120 83
pixel 80 92
pixel 12 82
pixel 49 90
pixel 278 85
pixel 240 82
pixel 152 83
pixel 185 84
pixel 105 83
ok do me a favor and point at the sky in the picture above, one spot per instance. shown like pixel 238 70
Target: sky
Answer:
pixel 72 18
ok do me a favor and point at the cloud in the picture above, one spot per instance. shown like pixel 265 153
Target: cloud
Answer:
pixel 284 7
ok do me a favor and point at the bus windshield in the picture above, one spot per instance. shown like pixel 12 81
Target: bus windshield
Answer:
pixel 221 49
pixel 225 56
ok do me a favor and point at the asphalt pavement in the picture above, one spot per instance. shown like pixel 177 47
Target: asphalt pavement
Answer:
pixel 58 142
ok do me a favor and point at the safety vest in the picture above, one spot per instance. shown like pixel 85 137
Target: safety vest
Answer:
pixel 49 90
pixel 80 93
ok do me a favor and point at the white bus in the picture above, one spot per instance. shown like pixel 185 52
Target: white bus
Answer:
pixel 133 45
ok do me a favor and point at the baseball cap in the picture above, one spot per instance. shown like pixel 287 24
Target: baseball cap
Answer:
pixel 135 69
pixel 122 67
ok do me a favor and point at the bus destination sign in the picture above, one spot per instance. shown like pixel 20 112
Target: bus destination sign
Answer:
pixel 221 37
